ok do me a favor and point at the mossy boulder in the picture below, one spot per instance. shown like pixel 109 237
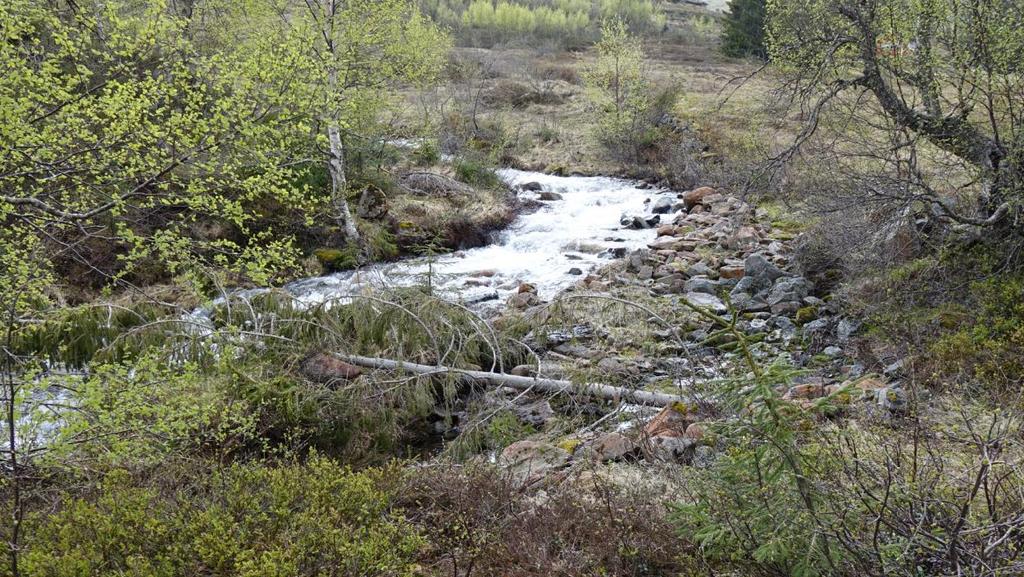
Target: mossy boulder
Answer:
pixel 806 314
pixel 335 260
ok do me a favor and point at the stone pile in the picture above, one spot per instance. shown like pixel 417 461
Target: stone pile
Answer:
pixel 711 253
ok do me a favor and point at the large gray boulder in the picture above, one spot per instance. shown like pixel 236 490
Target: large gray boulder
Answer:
pixel 706 301
pixel 787 294
pixel 663 205
pixel 760 268
pixel 701 285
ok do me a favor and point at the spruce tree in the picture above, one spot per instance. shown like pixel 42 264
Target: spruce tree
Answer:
pixel 743 29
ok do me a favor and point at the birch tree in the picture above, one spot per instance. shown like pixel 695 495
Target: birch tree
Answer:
pixel 941 77
pixel 359 53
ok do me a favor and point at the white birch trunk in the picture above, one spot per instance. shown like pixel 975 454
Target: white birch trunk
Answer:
pixel 336 165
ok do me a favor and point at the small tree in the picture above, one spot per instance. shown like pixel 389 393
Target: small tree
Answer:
pixel 356 54
pixel 618 91
pixel 743 29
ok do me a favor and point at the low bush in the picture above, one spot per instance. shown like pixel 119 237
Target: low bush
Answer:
pixel 255 520
pixel 794 496
pixel 986 344
pixel 481 523
pixel 475 173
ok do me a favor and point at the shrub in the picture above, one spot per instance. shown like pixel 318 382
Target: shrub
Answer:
pixel 427 154
pixel 338 259
pixel 622 98
pixel 987 343
pixel 475 173
pixel 481 523
pixel 792 497
pixel 548 134
pixel 560 72
pixel 251 520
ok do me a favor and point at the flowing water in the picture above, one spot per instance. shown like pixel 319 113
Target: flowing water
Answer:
pixel 581 231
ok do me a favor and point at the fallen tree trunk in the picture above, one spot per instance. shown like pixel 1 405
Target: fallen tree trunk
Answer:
pixel 524 383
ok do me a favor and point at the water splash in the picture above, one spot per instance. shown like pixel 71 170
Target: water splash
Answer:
pixel 580 231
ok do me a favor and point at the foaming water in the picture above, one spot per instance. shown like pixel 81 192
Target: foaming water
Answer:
pixel 581 231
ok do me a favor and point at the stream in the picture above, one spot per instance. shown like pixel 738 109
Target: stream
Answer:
pixel 550 248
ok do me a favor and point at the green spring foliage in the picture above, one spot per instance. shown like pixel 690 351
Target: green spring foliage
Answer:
pixel 621 96
pixel 984 343
pixel 255 520
pixel 141 125
pixel 793 495
pixel 235 380
pixel 568 23
pixel 475 173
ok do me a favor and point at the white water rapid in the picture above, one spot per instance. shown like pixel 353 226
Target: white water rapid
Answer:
pixel 581 231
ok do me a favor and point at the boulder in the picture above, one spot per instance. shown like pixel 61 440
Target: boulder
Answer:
pixel 665 243
pixel 535 414
pixel 372 204
pixel 531 187
pixel 846 329
pixel 696 196
pixel 805 392
pixel 896 369
pixel 672 421
pixel 699 269
pixel 864 389
pixel 612 447
pixel 549 196
pixel 634 222
pixel 524 300
pixel 324 368
pixel 695 431
pixel 575 271
pixel 524 371
pixel 480 295
pixel 701 285
pixel 672 449
pixel 614 366
pixel 731 271
pixel 760 268
pixel 787 294
pixel 530 461
pixel 663 205
pixel 744 238
pixel 893 399
pixel 706 301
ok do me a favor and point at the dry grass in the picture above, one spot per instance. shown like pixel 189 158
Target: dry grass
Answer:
pixel 728 110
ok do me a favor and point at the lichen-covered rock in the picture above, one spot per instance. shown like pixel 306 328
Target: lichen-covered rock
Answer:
pixel 612 447
pixel 530 461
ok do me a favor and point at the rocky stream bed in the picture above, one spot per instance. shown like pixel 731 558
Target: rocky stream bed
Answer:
pixel 699 251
